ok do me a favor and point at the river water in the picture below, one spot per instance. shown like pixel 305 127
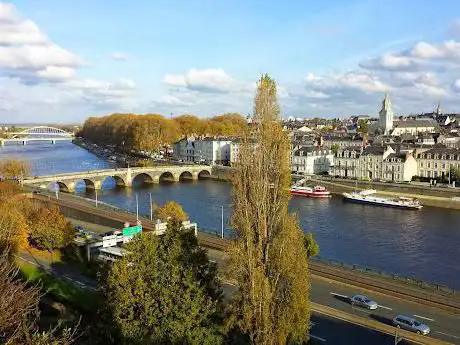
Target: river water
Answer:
pixel 423 244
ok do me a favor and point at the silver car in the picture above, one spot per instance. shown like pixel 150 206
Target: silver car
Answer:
pixel 364 302
pixel 411 324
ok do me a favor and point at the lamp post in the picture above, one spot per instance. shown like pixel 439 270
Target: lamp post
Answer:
pixel 137 208
pixel 222 222
pixel 151 206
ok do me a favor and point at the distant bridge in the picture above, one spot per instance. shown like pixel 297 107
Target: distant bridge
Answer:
pixel 123 177
pixel 38 133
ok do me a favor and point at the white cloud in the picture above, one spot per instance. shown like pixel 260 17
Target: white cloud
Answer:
pixel 449 50
pixel 456 85
pixel 119 56
pixel 27 53
pixel 390 61
pixel 205 80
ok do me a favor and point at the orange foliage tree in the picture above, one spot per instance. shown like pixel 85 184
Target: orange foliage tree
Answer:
pixel 170 210
pixel 152 131
pixel 49 229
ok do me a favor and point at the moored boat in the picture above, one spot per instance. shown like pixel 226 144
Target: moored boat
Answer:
pixel 368 197
pixel 315 192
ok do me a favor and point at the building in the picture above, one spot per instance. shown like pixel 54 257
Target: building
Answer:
pixel 311 160
pixel 414 127
pixel 341 141
pixel 386 116
pixel 399 167
pixel 207 150
pixel 371 161
pixel 346 162
pixel 437 162
pixel 235 146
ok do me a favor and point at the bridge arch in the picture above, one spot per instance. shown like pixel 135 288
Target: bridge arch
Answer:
pixel 166 176
pixel 44 131
pixel 63 187
pixel 205 173
pixel 119 181
pixel 144 177
pixel 186 175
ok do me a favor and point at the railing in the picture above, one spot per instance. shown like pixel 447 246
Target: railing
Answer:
pixel 390 276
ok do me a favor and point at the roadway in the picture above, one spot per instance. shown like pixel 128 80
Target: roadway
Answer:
pixel 444 326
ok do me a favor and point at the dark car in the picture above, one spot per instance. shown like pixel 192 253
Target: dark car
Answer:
pixel 36 191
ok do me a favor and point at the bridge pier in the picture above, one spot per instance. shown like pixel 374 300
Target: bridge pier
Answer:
pixel 195 176
pixel 24 142
pixel 2 142
pixel 96 184
pixel 53 141
pixel 176 177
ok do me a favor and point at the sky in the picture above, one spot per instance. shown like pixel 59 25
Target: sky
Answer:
pixel 65 60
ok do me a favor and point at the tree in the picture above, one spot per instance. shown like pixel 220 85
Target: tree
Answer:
pixel 165 291
pixel 335 148
pixel 268 260
pixel 454 173
pixel 363 127
pixel 50 229
pixel 14 228
pixel 170 210
pixel 12 168
pixel 310 244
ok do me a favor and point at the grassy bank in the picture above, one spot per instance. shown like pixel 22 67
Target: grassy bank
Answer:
pixel 59 289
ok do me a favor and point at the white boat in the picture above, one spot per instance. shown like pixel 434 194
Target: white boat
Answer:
pixel 368 197
pixel 315 192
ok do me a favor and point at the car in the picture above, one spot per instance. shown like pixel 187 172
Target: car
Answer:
pixel 364 302
pixel 411 324
pixel 79 228
pixel 36 191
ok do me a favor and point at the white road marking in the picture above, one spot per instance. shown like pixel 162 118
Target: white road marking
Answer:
pixel 382 306
pixel 317 338
pixel 338 295
pixel 449 335
pixel 423 317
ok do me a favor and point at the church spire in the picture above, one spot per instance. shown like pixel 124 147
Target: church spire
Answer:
pixel 438 108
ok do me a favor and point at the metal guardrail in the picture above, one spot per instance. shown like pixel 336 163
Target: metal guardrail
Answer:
pixel 442 289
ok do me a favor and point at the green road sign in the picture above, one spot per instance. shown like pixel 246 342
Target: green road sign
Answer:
pixel 132 230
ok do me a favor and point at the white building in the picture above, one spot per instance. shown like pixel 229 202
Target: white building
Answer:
pixel 399 167
pixel 413 127
pixel 386 116
pixel 208 150
pixel 346 162
pixel 311 160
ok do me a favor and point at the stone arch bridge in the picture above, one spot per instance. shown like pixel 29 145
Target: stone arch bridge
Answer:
pixel 123 177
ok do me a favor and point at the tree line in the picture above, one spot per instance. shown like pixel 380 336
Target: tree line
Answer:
pixel 151 131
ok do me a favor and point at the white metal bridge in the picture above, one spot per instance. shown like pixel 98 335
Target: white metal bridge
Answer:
pixel 37 133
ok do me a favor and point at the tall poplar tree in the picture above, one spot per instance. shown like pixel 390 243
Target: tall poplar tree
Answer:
pixel 268 260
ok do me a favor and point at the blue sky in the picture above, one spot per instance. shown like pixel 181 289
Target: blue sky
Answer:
pixel 65 60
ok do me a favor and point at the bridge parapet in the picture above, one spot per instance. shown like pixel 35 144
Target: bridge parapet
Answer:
pixel 123 176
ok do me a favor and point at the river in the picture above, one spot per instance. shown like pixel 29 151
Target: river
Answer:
pixel 423 244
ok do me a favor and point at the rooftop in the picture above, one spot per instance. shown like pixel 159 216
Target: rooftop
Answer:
pixel 413 123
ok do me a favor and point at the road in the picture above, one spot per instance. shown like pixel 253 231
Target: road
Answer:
pixel 444 326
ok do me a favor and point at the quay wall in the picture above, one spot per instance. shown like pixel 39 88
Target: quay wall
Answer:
pixel 434 197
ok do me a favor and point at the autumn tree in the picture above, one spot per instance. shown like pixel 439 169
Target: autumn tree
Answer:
pixel 310 244
pixel 268 261
pixel 49 229
pixel 170 210
pixel 12 168
pixel 363 127
pixel 165 291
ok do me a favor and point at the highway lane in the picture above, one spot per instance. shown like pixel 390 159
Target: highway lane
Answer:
pixel 444 326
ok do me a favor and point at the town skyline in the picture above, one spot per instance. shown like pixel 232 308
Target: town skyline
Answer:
pixel 54 69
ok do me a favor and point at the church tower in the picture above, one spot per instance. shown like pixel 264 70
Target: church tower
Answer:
pixel 386 115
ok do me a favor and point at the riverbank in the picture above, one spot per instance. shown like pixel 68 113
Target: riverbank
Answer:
pixel 441 198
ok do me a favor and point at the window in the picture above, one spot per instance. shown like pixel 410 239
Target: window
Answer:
pixel 443 165
pixel 428 165
pixel 435 173
pixel 443 157
pixel 435 165
pixel 421 164
pixel 397 168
